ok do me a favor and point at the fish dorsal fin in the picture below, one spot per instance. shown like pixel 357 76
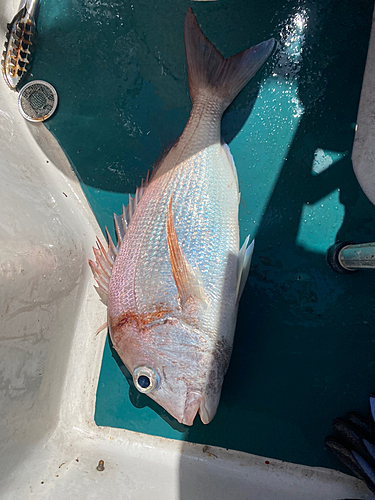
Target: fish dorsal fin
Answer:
pixel 244 261
pixel 122 221
pixel 188 281
pixel 104 259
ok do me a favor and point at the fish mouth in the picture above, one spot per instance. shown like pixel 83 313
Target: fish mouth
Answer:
pixel 195 402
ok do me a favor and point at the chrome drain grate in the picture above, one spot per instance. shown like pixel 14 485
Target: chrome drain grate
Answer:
pixel 37 101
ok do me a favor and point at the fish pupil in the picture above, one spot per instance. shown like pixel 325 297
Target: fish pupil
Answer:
pixel 144 381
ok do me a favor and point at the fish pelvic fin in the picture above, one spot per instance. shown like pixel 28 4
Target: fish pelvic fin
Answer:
pixel 244 261
pixel 104 259
pixel 188 281
pixel 209 71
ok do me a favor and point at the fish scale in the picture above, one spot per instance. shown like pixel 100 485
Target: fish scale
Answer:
pixel 178 272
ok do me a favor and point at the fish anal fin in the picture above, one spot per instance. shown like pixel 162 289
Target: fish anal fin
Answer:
pixel 188 281
pixel 230 159
pixel 244 261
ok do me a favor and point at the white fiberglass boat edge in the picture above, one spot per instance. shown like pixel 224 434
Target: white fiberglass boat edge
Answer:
pixel 363 155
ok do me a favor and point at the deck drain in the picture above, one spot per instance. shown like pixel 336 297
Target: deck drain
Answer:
pixel 37 101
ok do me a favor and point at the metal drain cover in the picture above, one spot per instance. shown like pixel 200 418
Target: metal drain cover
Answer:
pixel 37 101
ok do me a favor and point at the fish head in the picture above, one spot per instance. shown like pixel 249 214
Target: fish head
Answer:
pixel 170 363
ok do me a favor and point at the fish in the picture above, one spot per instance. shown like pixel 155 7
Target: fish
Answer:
pixel 173 282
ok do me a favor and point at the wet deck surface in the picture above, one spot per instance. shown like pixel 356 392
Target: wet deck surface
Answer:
pixel 304 347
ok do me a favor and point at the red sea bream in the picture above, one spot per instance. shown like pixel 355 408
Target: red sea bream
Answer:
pixel 174 280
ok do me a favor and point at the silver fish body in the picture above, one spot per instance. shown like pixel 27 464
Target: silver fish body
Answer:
pixel 195 346
pixel 178 274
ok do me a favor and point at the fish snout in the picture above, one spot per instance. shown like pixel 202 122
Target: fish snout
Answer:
pixel 195 402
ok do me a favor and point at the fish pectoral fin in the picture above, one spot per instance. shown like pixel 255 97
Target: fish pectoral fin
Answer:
pixel 244 261
pixel 188 281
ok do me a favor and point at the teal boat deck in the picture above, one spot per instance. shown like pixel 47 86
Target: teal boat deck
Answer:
pixel 304 348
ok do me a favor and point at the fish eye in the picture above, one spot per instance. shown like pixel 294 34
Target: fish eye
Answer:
pixel 145 379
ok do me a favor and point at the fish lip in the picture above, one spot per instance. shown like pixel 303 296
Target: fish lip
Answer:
pixel 195 402
pixel 203 412
pixel 192 405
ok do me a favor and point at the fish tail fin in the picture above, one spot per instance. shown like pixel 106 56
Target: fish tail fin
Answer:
pixel 209 71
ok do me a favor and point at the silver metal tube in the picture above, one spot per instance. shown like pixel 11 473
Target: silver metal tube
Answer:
pixel 354 257
pixel 32 8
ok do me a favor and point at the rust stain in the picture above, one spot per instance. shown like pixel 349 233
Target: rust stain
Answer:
pixel 100 467
pixel 206 449
pixel 15 57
